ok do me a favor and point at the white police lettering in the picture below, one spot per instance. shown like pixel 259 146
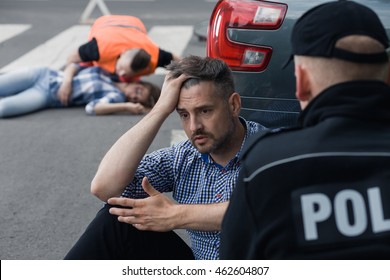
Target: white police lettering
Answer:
pixel 358 210
pixel 317 208
pixel 311 216
pixel 379 224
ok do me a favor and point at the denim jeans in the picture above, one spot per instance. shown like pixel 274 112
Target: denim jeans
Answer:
pixel 24 91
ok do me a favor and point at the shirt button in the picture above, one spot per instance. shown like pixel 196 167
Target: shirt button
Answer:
pixel 218 195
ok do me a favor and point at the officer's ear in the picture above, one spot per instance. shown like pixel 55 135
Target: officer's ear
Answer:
pixel 303 85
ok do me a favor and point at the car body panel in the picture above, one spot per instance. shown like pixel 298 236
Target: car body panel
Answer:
pixel 268 96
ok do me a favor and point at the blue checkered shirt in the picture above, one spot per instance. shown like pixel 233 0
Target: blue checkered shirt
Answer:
pixel 90 86
pixel 193 178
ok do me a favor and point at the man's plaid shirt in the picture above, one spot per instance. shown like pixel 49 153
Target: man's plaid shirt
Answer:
pixel 193 178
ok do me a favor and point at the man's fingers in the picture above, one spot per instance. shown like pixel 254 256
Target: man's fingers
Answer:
pixel 141 227
pixel 125 212
pixel 134 221
pixel 127 219
pixel 122 201
pixel 148 188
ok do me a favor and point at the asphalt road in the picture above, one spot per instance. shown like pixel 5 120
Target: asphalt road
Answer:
pixel 48 159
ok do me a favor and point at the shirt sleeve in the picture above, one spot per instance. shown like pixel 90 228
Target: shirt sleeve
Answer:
pixel 112 97
pixel 164 58
pixel 89 51
pixel 158 168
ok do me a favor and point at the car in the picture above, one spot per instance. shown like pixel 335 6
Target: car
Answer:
pixel 253 38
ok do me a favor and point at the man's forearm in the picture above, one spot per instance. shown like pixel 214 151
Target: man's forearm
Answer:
pixel 118 166
pixel 205 217
pixel 73 57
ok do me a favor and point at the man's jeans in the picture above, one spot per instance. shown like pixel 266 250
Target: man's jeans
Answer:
pixel 108 239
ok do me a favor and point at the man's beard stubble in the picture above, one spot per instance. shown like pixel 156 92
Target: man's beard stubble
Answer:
pixel 217 145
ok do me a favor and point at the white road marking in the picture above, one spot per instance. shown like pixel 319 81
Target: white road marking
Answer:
pixel 172 38
pixel 8 31
pixel 177 135
pixel 52 53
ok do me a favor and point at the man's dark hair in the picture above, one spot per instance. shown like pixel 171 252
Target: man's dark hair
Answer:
pixel 141 61
pixel 204 69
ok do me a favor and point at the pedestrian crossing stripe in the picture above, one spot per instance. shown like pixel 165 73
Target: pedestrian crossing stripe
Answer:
pixel 171 38
pixel 54 52
pixel 10 30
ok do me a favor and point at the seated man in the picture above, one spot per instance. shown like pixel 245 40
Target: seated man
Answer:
pixel 31 89
pixel 201 172
pixel 322 190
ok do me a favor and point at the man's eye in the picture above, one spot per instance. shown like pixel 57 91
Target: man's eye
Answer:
pixel 183 115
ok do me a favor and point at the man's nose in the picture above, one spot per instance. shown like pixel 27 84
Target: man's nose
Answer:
pixel 121 73
pixel 195 124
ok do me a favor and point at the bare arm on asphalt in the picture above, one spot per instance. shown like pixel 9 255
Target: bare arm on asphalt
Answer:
pixel 124 107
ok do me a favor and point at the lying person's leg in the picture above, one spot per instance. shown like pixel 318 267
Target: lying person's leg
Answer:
pixel 24 91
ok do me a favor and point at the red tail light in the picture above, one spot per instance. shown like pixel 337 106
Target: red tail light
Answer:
pixel 244 14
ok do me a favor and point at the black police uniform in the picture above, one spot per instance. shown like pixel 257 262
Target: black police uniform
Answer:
pixel 321 191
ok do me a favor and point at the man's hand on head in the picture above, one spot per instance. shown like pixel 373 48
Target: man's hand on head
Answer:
pixel 170 93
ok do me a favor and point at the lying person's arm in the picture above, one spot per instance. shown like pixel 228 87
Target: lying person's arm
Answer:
pixel 113 102
pixel 65 90
pixel 124 107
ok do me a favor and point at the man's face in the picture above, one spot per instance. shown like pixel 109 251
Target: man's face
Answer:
pixel 123 69
pixel 207 120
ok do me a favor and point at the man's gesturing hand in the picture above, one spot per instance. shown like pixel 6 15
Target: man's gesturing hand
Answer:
pixel 155 212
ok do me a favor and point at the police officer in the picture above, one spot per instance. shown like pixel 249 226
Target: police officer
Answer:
pixel 322 190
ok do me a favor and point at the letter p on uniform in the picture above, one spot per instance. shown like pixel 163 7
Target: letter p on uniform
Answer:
pixel 316 208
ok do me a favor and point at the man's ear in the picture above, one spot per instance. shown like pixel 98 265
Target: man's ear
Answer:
pixel 235 103
pixel 303 86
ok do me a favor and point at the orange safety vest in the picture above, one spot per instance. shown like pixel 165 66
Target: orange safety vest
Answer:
pixel 117 33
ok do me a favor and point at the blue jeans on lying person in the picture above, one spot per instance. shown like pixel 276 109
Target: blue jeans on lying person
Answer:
pixel 27 90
